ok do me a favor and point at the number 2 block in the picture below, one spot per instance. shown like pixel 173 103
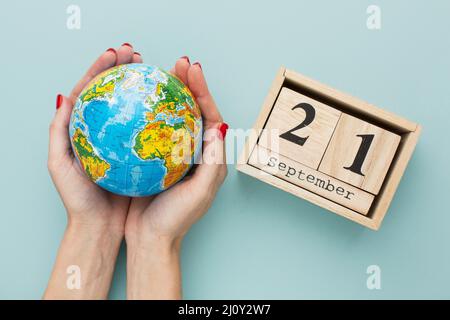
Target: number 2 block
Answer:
pixel 360 153
pixel 299 128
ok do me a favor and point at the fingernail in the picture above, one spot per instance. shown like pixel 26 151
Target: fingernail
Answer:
pixel 223 130
pixel 137 53
pixel 187 58
pixel 59 100
pixel 127 44
pixel 198 64
pixel 111 50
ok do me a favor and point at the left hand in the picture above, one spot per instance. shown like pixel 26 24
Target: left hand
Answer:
pixel 96 218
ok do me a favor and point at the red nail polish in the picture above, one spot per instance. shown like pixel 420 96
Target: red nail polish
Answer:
pixel 127 44
pixel 223 130
pixel 137 53
pixel 198 64
pixel 111 50
pixel 59 100
pixel 187 58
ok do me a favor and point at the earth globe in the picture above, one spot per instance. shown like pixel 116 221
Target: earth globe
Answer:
pixel 136 130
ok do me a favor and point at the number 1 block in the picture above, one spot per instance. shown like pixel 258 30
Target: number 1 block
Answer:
pixel 360 153
pixel 299 128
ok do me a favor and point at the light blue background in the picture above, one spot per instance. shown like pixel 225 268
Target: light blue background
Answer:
pixel 256 241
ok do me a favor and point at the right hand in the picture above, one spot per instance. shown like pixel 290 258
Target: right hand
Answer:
pixel 170 214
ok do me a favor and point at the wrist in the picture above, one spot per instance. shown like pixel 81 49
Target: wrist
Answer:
pixel 95 226
pixel 152 244
pixel 94 232
pixel 93 250
pixel 153 268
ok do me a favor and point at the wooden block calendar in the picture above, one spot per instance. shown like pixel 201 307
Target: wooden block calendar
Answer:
pixel 329 148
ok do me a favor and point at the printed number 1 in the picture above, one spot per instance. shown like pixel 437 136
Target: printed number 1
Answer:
pixel 310 115
pixel 366 141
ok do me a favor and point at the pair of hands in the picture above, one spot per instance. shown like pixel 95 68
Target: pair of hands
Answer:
pixel 165 217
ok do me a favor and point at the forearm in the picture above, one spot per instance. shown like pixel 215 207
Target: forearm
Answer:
pixel 87 255
pixel 153 270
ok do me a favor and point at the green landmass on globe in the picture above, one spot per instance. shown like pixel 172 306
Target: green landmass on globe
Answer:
pixel 136 130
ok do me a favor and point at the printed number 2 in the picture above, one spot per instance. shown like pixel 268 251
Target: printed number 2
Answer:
pixel 366 141
pixel 310 115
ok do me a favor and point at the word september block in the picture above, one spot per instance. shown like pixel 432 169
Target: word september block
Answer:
pixel 312 180
pixel 334 150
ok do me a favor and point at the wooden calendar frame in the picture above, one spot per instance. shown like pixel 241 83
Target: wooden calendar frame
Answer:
pixel 408 131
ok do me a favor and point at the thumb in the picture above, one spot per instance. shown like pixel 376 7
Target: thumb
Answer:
pixel 213 169
pixel 59 142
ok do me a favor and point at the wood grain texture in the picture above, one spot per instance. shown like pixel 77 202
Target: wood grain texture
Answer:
pixel 343 149
pixel 310 179
pixel 284 119
pixel 390 185
pixel 351 103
